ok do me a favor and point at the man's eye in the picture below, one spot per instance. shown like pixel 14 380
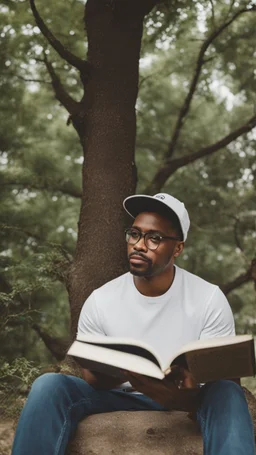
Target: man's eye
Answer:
pixel 134 234
pixel 155 238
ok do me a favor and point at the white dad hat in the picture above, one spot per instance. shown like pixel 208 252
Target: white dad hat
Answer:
pixel 162 203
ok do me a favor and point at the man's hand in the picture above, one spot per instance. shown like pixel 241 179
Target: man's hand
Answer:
pixel 177 391
pixel 181 377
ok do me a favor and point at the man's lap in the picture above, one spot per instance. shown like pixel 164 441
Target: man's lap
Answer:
pixel 92 401
pixel 115 399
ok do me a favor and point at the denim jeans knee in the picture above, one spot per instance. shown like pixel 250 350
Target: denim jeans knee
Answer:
pixel 48 383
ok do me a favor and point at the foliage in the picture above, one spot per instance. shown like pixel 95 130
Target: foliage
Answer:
pixel 41 156
pixel 15 379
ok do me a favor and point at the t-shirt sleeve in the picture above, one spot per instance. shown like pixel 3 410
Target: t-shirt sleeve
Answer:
pixel 89 320
pixel 218 320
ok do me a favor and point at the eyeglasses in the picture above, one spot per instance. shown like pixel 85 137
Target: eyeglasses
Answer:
pixel 152 240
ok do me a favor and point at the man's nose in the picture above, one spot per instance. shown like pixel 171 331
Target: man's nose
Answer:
pixel 140 245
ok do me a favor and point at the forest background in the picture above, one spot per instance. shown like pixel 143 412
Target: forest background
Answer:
pixel 61 190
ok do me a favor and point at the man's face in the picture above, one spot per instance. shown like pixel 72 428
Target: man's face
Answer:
pixel 145 262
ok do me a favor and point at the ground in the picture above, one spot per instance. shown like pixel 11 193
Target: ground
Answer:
pixel 6 436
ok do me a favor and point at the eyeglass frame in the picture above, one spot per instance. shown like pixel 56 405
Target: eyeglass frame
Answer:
pixel 143 235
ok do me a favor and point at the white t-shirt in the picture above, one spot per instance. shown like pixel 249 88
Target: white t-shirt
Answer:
pixel 191 309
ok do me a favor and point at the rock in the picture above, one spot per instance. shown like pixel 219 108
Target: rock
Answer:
pixel 251 400
pixel 140 432
pixel 130 433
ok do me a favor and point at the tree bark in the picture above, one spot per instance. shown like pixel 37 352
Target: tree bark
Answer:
pixel 106 124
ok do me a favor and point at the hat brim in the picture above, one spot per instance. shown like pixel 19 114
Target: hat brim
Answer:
pixel 134 205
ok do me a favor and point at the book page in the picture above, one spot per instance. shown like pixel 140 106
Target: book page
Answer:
pixel 130 349
pixel 123 344
pixel 112 362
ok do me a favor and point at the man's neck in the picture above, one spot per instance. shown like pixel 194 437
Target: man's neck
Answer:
pixel 155 286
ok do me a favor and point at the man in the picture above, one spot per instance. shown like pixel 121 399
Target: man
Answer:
pixel 165 306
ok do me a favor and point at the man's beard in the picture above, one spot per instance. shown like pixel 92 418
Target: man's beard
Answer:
pixel 145 272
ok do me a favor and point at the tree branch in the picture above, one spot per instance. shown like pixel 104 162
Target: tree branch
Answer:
pixel 41 81
pixel 230 8
pixel 171 166
pixel 213 12
pixel 248 126
pixel 57 346
pixel 241 279
pixel 200 62
pixel 61 94
pixel 236 234
pixel 30 234
pixel 72 59
pixel 64 189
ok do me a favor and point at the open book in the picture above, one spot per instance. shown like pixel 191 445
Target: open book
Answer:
pixel 207 360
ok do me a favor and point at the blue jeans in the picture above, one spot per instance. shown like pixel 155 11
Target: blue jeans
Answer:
pixel 57 403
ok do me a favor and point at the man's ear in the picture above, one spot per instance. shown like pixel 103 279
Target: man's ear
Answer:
pixel 178 249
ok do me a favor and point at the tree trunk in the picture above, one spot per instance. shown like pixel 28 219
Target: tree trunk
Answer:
pixel 107 128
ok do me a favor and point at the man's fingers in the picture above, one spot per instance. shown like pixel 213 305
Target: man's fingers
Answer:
pixel 181 377
pixel 176 374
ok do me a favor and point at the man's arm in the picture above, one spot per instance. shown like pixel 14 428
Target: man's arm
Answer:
pixel 99 380
pixel 167 391
pixel 178 391
pixel 90 323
